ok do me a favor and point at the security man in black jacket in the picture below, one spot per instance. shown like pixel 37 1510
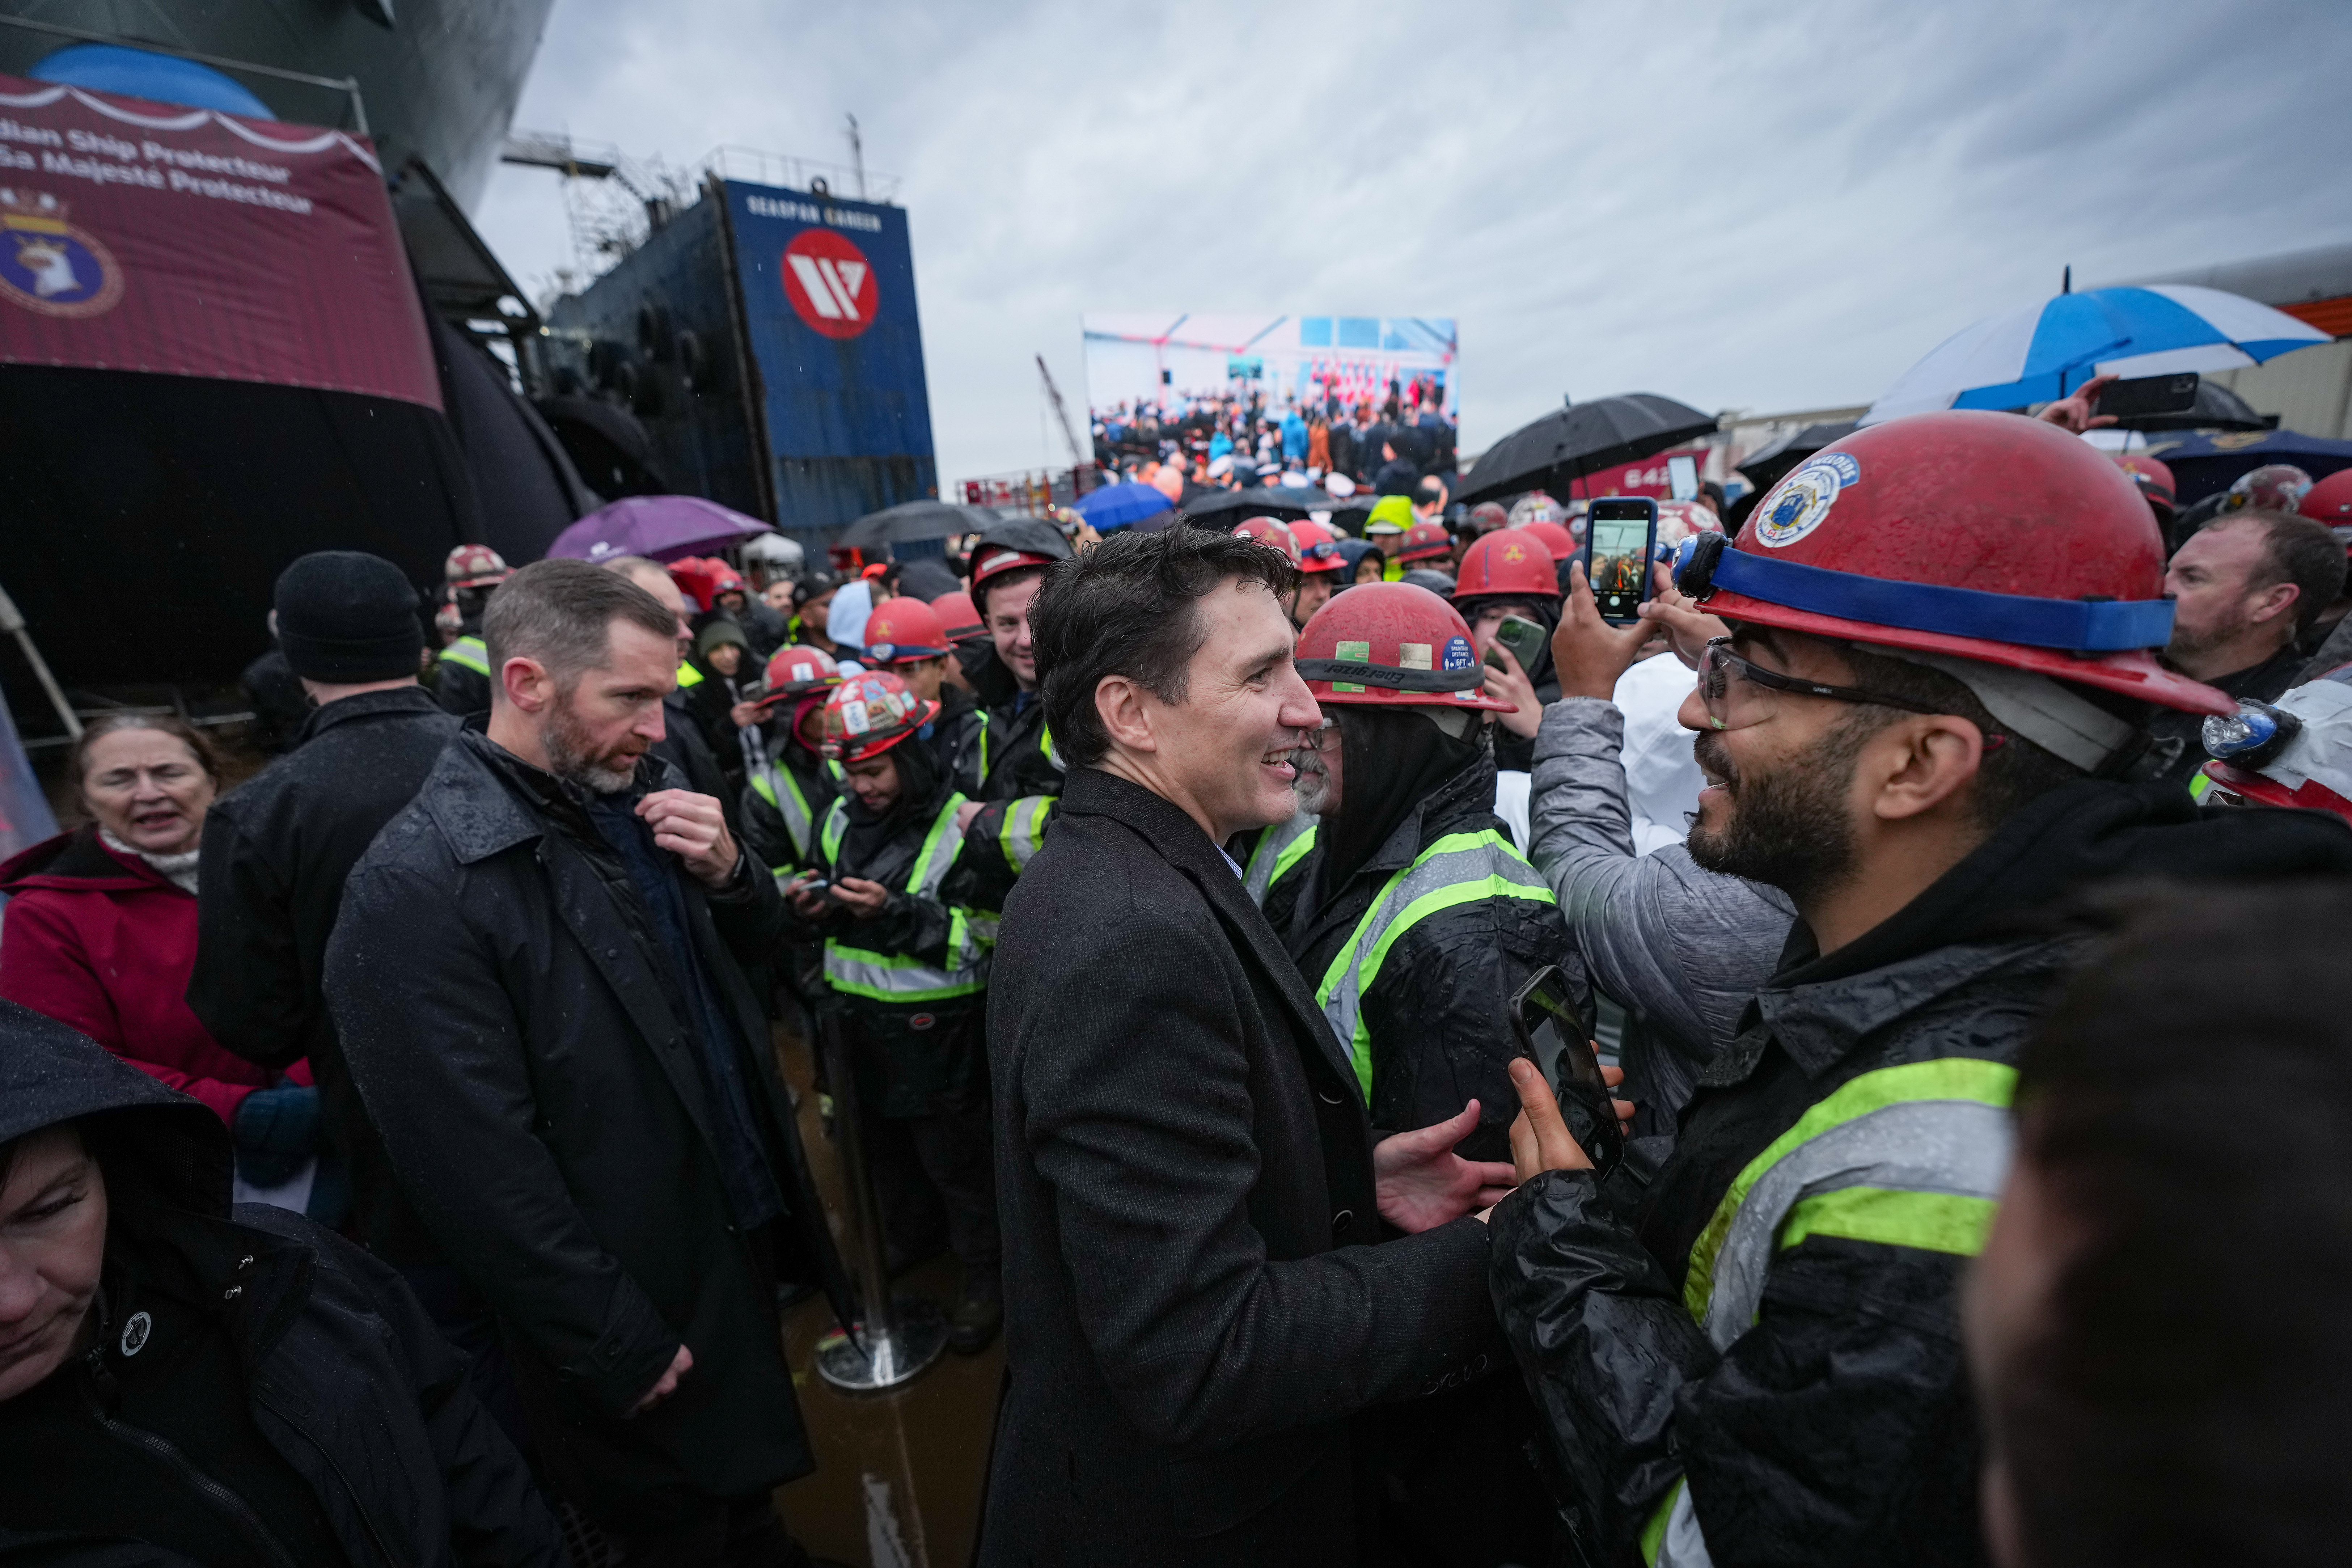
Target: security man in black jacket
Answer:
pixel 182 1384
pixel 537 980
pixel 275 855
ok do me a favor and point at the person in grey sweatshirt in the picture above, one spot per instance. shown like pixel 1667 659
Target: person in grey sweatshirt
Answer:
pixel 1682 949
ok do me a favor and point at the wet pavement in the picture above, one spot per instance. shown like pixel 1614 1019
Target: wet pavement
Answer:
pixel 899 1474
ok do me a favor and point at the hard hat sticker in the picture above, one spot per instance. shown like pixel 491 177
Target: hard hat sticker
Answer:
pixel 1412 656
pixel 1458 654
pixel 1799 503
pixel 853 720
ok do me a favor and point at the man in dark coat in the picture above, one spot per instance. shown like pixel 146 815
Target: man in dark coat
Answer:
pixel 274 857
pixel 183 1383
pixel 1195 1311
pixel 536 979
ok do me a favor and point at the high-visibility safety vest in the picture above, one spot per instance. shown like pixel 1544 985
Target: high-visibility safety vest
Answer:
pixel 792 803
pixel 902 977
pixel 1459 868
pixel 1279 847
pixel 469 653
pixel 1912 1155
pixel 688 677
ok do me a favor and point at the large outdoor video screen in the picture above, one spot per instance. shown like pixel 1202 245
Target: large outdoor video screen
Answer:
pixel 1160 358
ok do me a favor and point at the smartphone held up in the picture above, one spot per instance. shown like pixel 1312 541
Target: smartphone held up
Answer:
pixel 1621 540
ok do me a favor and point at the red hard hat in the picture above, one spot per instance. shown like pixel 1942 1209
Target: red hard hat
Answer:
pixel 1509 560
pixel 475 566
pixel 2154 479
pixel 870 714
pixel 698 577
pixel 795 671
pixel 2263 790
pixel 2330 502
pixel 1425 541
pixel 1556 539
pixel 2274 486
pixel 901 631
pixel 959 616
pixel 1269 530
pixel 1968 533
pixel 1318 546
pixel 1392 644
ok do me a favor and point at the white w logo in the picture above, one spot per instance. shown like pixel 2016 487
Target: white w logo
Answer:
pixel 831 286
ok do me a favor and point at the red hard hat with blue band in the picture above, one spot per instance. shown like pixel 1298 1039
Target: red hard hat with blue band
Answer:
pixel 1944 535
pixel 903 630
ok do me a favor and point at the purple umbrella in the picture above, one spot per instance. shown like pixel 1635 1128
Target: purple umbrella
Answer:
pixel 661 527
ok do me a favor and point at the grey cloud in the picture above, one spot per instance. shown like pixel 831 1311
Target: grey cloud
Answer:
pixel 1738 205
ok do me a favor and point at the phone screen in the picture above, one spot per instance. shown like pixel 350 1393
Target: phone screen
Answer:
pixel 1621 561
pixel 1553 1036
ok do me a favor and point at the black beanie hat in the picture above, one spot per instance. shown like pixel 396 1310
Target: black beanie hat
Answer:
pixel 346 617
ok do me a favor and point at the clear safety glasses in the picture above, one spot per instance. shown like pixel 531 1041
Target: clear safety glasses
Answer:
pixel 1739 693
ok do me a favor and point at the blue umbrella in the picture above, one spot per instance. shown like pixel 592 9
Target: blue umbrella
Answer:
pixel 2046 351
pixel 1115 505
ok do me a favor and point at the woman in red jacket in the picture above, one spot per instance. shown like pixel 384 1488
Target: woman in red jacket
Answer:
pixel 100 933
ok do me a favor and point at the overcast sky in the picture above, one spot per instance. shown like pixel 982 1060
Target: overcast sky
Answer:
pixel 1753 206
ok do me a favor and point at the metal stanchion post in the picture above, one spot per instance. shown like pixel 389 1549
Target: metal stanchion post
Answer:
pixel 896 1340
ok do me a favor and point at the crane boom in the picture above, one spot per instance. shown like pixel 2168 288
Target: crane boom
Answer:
pixel 1054 394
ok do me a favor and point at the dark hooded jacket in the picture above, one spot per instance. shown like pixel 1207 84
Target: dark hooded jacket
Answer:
pixel 275 852
pixel 1435 1028
pixel 1020 786
pixel 258 1391
pixel 1752 1355
pixel 565 1105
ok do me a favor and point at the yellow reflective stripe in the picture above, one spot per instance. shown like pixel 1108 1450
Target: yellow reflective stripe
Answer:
pixel 1946 1077
pixel 2198 785
pixel 468 652
pixel 1654 1534
pixel 1292 854
pixel 688 676
pixel 836 824
pixel 1045 743
pixel 938 853
pixel 895 976
pixel 1023 829
pixel 1956 1223
pixel 984 740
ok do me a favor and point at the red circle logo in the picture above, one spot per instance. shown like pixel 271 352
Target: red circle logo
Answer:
pixel 830 283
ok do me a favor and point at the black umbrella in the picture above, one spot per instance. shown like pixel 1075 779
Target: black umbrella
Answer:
pixel 2216 408
pixel 915 519
pixel 1570 443
pixel 1763 468
pixel 1221 509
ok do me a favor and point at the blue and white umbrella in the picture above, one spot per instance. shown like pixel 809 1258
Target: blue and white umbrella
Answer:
pixel 2049 349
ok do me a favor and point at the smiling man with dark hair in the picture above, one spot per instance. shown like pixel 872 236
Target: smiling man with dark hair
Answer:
pixel 1189 1186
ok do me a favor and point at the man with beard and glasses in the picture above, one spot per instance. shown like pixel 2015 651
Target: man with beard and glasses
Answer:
pixel 1940 670
pixel 536 979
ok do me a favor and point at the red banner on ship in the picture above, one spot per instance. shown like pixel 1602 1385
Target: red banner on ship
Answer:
pixel 145 236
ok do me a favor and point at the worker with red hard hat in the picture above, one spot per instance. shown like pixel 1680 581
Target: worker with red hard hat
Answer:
pixel 1513 572
pixel 790 782
pixel 904 636
pixel 1416 922
pixel 2157 487
pixel 1940 661
pixel 461 670
pixel 906 973
pixel 1322 567
pixel 1022 784
pixel 2296 751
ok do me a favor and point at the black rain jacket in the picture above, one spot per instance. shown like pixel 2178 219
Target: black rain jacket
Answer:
pixel 503 1005
pixel 1021 791
pixel 275 852
pixel 1439 1012
pixel 1780 1380
pixel 350 1386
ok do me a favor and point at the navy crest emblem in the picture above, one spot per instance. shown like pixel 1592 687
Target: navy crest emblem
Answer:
pixel 48 265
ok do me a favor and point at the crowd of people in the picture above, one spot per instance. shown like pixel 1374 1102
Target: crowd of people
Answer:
pixel 1942 1163
pixel 1233 440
